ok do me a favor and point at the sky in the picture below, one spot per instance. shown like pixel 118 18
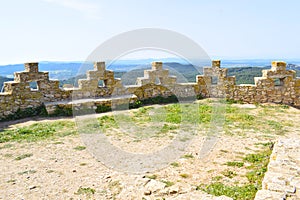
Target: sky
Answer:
pixel 69 30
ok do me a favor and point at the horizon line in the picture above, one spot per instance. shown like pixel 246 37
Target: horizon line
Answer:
pixel 158 59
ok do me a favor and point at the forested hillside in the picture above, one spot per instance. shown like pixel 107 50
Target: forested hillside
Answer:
pixel 184 73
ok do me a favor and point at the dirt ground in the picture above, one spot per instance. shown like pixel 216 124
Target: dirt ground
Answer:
pixel 56 170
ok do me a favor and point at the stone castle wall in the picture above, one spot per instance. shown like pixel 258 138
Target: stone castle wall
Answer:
pixel 277 85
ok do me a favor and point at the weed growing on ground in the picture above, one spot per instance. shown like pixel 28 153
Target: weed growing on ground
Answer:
pixel 256 171
pixel 23 156
pixel 80 148
pixel 85 191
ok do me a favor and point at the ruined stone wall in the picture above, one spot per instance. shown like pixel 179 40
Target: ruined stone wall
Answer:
pixel 282 179
pixel 277 85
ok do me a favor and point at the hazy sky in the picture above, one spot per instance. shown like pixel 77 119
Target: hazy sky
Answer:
pixel 62 30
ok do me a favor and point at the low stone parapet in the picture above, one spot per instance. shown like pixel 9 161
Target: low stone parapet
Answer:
pixel 282 180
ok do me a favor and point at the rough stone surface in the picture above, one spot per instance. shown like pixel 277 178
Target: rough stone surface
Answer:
pixel 282 180
pixel 277 85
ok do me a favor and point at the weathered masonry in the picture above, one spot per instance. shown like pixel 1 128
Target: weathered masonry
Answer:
pixel 32 88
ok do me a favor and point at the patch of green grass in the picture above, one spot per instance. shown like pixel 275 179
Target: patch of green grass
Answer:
pixel 83 164
pixel 217 178
pixel 153 176
pixel 205 113
pixel 80 148
pixel 258 157
pixel 85 191
pixel 142 111
pixel 166 128
pixel 58 142
pixel 259 163
pixel 38 131
pixel 229 174
pixel 235 164
pixel 277 126
pixel 106 122
pixel 173 113
pixel 243 119
pixel 11 181
pixel 175 164
pixel 231 109
pixel 224 151
pixel 23 156
pixel 188 156
pixel 27 172
pixel 284 106
pixel 266 144
pixel 168 183
pixel 184 175
pixel 245 192
pixel 257 169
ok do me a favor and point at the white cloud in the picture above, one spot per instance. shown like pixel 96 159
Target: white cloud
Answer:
pixel 88 9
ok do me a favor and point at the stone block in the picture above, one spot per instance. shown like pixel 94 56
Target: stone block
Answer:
pixel 85 84
pixel 269 195
pixel 216 63
pixel 157 65
pixel 32 67
pixel 278 65
pixel 99 66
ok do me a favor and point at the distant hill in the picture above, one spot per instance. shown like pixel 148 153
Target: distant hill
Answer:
pixel 245 75
pixel 2 80
pixel 68 73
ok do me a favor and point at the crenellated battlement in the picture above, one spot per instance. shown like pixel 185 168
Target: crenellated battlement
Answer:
pixel 276 85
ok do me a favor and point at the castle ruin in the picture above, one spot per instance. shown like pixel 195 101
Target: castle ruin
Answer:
pixel 277 85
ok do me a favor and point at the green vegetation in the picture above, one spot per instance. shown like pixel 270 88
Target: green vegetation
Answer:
pixel 23 156
pixel 258 167
pixel 235 164
pixel 168 183
pixel 85 191
pixel 245 75
pixel 80 148
pixel 106 122
pixel 217 178
pixel 38 131
pixel 161 121
pixel 153 176
pixel 27 172
pixel 256 171
pixel 229 174
pixel 245 192
pixel 175 164
pixel 167 119
pixel 188 156
pixel 184 175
